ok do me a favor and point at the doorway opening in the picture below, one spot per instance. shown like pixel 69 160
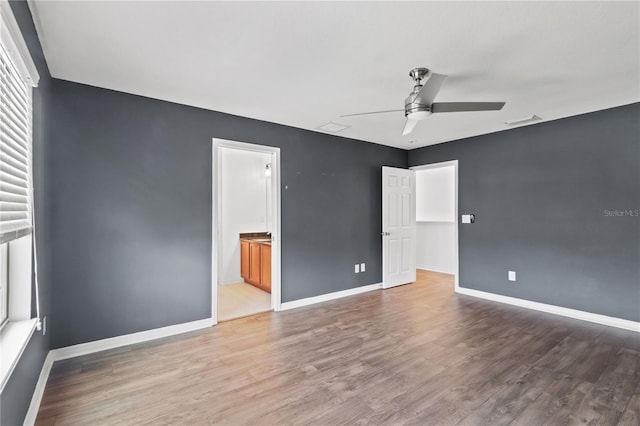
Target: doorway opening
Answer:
pixel 245 229
pixel 437 218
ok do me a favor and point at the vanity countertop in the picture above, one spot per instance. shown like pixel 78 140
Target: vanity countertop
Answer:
pixel 256 237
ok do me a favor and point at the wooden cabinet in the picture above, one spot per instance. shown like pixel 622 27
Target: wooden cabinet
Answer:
pixel 244 260
pixel 265 267
pixel 255 264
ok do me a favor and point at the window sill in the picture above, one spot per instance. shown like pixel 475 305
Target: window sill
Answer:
pixel 14 337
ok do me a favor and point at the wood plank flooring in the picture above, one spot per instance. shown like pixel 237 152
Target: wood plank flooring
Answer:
pixel 416 354
pixel 240 300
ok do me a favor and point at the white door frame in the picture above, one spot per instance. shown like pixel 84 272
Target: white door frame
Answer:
pixel 276 273
pixel 453 163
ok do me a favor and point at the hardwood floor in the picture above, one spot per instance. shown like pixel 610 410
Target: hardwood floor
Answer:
pixel 240 300
pixel 416 354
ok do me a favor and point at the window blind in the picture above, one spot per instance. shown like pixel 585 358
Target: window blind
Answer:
pixel 15 152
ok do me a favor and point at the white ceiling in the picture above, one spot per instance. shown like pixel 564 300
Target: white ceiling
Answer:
pixel 303 64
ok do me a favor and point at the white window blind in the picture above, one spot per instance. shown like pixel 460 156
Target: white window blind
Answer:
pixel 15 152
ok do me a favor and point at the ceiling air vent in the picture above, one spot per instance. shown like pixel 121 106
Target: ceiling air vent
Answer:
pixel 332 127
pixel 523 120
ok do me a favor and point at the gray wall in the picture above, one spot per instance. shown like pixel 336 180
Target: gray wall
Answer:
pixel 539 194
pixel 16 396
pixel 131 210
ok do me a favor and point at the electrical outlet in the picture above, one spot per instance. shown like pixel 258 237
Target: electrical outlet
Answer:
pixel 362 267
pixel 511 275
pixel 357 269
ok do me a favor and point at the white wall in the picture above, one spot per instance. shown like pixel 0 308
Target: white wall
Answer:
pixel 435 246
pixel 435 194
pixel 436 217
pixel 243 205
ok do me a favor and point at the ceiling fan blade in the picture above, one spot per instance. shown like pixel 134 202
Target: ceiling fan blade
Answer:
pixel 373 112
pixel 466 106
pixel 430 89
pixel 408 126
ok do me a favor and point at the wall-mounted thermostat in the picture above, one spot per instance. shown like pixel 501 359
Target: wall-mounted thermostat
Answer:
pixel 468 218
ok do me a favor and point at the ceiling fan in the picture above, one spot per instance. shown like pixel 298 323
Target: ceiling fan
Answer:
pixel 419 104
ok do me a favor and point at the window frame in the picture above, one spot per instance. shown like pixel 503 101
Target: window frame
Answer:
pixel 4 284
pixel 19 326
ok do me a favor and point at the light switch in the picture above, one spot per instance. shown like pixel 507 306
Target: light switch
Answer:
pixel 468 218
pixel 362 269
pixel 512 275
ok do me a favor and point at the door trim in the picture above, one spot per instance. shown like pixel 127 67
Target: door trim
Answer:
pixel 453 163
pixel 276 271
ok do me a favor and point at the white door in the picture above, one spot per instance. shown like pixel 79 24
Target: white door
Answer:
pixel 398 226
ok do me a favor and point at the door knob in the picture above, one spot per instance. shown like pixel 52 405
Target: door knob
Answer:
pixel 385 234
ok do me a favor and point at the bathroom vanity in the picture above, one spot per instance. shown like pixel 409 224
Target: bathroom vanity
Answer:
pixel 255 259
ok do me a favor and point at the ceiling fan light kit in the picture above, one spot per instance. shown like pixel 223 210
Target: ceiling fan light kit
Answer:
pixel 418 115
pixel 419 104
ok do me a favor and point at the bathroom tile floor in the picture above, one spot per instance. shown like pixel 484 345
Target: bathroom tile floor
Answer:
pixel 241 299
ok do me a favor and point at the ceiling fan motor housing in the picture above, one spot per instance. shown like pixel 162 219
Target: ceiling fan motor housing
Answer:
pixel 415 109
pixel 411 107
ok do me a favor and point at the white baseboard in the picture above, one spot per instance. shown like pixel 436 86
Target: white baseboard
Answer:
pixel 553 309
pixel 432 269
pixel 128 339
pixel 329 296
pixel 38 392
